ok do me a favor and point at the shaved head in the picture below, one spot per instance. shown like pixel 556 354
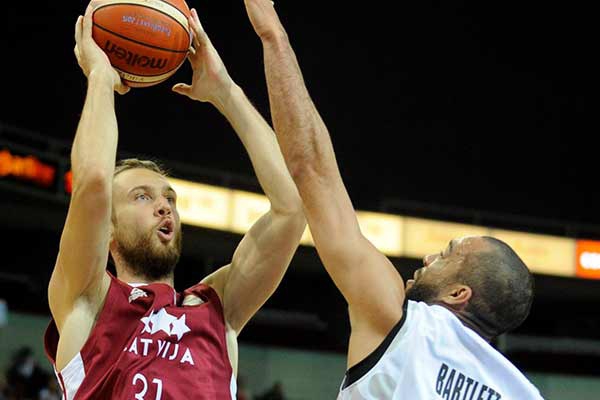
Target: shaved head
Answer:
pixel 501 283
pixel 479 278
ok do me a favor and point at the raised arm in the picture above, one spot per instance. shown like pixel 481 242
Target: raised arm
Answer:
pixel 367 279
pixel 78 277
pixel 265 252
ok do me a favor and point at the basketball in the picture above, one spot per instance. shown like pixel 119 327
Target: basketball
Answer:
pixel 146 40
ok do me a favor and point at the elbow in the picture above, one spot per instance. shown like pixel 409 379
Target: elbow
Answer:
pixel 93 183
pixel 307 178
pixel 92 176
pixel 307 164
pixel 296 207
pixel 289 206
pixel 294 211
pixel 297 171
pixel 302 170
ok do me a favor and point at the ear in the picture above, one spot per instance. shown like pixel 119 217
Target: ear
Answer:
pixel 458 296
pixel 111 245
pixel 111 236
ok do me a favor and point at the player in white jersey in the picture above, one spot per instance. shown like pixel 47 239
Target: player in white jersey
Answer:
pixel 426 339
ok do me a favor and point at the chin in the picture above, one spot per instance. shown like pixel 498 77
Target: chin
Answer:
pixel 420 291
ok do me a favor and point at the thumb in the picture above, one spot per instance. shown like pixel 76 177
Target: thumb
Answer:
pixel 183 89
pixel 123 89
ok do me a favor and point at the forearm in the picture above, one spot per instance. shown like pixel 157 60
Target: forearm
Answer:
pixel 307 148
pixel 262 147
pixel 302 134
pixel 95 145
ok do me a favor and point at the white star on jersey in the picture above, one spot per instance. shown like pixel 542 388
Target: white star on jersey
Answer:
pixel 163 321
pixel 179 327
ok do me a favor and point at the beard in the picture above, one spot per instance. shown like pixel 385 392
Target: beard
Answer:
pixel 145 258
pixel 422 291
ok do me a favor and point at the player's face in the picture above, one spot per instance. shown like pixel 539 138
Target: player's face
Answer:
pixel 439 270
pixel 146 225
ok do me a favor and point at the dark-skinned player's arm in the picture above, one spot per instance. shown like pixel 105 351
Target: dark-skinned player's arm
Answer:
pixel 367 279
pixel 265 252
pixel 79 283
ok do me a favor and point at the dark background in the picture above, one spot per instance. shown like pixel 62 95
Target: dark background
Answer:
pixel 470 111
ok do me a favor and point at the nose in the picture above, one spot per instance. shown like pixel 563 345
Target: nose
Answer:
pixel 163 208
pixel 428 259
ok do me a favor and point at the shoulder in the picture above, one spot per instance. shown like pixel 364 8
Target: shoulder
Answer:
pixel 431 323
pixel 203 292
pixel 217 280
pixel 423 314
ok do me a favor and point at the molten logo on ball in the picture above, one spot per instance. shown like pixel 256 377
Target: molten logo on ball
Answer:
pixel 132 58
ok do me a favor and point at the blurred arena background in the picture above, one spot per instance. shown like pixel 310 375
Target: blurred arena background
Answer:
pixel 447 119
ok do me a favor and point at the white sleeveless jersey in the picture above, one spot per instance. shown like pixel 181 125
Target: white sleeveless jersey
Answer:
pixel 431 355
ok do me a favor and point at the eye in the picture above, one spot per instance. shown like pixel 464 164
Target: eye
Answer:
pixel 142 196
pixel 171 199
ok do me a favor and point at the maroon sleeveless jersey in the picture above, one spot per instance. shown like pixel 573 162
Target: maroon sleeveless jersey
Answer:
pixel 146 345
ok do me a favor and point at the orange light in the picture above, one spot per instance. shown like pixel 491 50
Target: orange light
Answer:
pixel 588 259
pixel 5 163
pixel 27 168
pixel 69 182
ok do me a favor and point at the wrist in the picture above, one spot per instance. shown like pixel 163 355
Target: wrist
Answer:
pixel 275 39
pixel 222 98
pixel 102 77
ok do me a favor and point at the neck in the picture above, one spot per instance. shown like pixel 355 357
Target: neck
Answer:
pixel 125 274
pixel 471 321
pixel 474 323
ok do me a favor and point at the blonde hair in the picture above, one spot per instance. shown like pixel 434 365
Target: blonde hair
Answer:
pixel 132 163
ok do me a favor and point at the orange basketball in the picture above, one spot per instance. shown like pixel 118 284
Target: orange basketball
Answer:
pixel 146 40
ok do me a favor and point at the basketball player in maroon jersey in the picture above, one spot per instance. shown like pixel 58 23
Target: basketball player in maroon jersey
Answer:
pixel 135 337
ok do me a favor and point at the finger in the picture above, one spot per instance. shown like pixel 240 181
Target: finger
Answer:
pixel 196 18
pixel 91 7
pixel 182 88
pixel 200 37
pixel 123 89
pixel 77 55
pixel 94 4
pixel 192 50
pixel 195 40
pixel 78 29
pixel 88 20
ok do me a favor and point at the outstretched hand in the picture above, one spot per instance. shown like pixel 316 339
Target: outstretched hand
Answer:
pixel 210 81
pixel 264 19
pixel 90 56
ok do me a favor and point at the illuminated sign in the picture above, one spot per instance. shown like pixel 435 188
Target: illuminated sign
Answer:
pixel 383 230
pixel 236 211
pixel 394 235
pixel 26 168
pixel 543 254
pixel 587 259
pixel 246 209
pixel 424 236
pixel 202 205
